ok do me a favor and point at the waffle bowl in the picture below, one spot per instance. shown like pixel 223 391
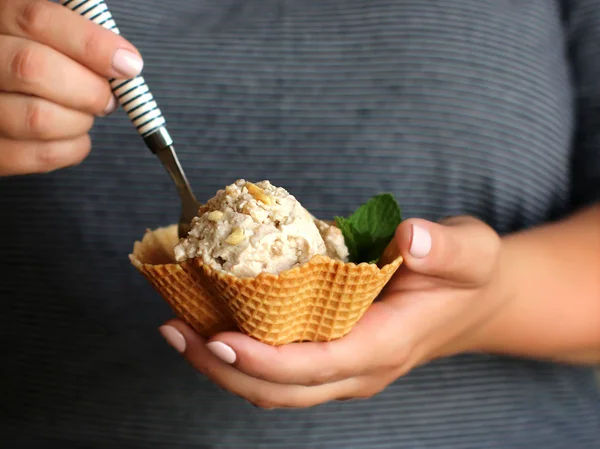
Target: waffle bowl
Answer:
pixel 320 300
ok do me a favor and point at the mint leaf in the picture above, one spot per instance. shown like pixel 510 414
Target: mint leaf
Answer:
pixel 348 232
pixel 378 217
pixel 370 228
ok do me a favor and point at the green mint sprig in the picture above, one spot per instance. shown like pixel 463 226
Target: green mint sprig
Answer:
pixel 370 228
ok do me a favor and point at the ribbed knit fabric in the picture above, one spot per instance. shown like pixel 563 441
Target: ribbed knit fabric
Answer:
pixel 482 107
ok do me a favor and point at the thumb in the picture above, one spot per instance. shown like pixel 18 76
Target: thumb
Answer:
pixel 461 249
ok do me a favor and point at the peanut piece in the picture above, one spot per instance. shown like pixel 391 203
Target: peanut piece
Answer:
pixel 215 215
pixel 236 236
pixel 259 194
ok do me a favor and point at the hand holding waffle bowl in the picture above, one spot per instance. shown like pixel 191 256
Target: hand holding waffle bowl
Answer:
pixel 277 306
pixel 255 260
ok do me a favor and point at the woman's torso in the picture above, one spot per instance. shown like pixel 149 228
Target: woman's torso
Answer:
pixel 455 107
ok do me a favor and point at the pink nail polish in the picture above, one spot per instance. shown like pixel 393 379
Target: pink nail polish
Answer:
pixel 173 337
pixel 127 63
pixel 111 106
pixel 222 351
pixel 421 242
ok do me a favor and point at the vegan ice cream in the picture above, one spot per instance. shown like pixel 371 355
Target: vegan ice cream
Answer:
pixel 247 229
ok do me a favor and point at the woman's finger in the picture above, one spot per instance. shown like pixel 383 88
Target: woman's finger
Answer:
pixel 31 68
pixel 19 157
pixel 25 117
pixel 73 35
pixel 374 344
pixel 259 392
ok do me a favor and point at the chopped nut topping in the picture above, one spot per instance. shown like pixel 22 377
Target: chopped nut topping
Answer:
pixel 277 248
pixel 236 236
pixel 259 193
pixel 215 215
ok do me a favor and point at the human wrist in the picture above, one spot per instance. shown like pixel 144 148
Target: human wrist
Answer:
pixel 489 334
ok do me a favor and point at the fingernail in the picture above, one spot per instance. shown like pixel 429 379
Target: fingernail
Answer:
pixel 173 337
pixel 111 106
pixel 421 242
pixel 127 63
pixel 222 351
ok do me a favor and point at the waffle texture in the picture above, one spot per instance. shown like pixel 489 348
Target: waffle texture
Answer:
pixel 318 301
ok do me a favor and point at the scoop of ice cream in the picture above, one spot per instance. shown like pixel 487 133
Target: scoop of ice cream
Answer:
pixel 247 229
pixel 334 240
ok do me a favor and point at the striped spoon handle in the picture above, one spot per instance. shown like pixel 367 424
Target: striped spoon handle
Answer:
pixel 133 94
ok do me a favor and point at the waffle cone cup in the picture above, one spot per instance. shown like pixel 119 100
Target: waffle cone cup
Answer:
pixel 320 300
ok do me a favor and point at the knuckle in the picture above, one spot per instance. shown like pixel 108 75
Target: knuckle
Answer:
pixel 451 253
pixel 317 380
pixel 338 368
pixel 92 41
pixel 403 354
pixel 392 365
pixel 396 362
pixel 265 398
pixel 35 17
pixel 57 155
pixel 370 386
pixel 455 220
pixel 48 158
pixel 98 99
pixel 25 66
pixel 326 375
pixel 36 118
